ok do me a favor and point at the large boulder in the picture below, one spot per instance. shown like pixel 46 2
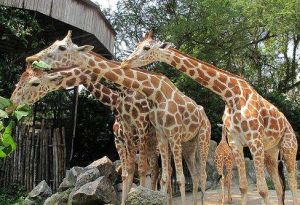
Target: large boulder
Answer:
pixel 59 198
pixel 99 191
pixel 212 174
pixel 39 193
pixel 142 195
pixel 105 167
pixel 250 169
pixel 88 176
pixel 71 178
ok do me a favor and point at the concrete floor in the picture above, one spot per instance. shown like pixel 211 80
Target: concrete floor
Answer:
pixel 213 198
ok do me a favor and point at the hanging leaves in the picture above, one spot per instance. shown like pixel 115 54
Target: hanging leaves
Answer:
pixel 7 121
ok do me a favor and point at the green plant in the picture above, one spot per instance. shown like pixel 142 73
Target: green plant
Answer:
pixel 13 194
pixel 9 115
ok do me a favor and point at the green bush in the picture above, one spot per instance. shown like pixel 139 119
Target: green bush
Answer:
pixel 12 195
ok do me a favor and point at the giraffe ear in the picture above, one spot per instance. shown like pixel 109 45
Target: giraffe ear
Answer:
pixel 85 48
pixel 148 35
pixel 220 125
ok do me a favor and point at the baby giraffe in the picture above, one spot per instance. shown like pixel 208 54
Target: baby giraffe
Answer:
pixel 224 161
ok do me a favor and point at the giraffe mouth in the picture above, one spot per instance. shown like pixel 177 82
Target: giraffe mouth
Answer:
pixel 59 69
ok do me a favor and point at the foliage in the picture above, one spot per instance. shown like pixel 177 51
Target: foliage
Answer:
pixel 9 114
pixel 12 195
pixel 19 36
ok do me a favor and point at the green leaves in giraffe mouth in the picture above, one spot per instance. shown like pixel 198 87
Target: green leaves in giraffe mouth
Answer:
pixel 41 65
pixel 9 115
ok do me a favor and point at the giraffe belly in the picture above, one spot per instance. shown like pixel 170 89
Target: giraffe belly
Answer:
pixel 271 139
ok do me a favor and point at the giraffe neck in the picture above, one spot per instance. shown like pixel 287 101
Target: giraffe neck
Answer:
pixel 221 82
pixel 142 81
pixel 77 76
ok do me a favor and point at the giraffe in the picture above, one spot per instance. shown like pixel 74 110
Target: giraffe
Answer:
pixel 251 120
pixel 176 118
pixel 131 111
pixel 224 159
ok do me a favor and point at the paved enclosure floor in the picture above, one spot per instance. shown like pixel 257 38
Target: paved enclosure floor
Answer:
pixel 213 198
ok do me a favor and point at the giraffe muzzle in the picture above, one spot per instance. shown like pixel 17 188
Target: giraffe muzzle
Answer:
pixel 31 59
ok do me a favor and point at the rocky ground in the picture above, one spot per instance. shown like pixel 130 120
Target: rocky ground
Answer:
pixel 213 198
pixel 99 183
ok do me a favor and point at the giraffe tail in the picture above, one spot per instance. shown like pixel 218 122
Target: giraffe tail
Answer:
pixel 283 182
pixel 219 178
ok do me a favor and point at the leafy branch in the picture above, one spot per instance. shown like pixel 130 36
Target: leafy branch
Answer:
pixel 9 115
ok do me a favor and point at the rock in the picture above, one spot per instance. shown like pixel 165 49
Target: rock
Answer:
pixel 71 178
pixel 88 176
pixel 99 191
pixel 105 167
pixel 212 174
pixel 39 193
pixel 142 195
pixel 60 198
pixel 250 171
pixel 118 166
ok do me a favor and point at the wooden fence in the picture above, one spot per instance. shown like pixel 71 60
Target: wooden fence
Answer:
pixel 40 155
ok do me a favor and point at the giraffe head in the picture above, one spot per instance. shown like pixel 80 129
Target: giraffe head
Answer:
pixel 63 53
pixel 146 52
pixel 33 85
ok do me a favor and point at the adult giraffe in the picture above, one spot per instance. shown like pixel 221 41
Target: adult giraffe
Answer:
pixel 132 128
pixel 176 118
pixel 252 120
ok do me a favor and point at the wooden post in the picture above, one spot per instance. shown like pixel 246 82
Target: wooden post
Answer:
pixel 75 105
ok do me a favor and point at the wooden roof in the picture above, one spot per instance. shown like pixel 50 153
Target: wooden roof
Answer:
pixel 82 14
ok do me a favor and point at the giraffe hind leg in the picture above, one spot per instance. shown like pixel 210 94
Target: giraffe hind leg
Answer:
pixel 189 154
pixel 289 148
pixel 271 164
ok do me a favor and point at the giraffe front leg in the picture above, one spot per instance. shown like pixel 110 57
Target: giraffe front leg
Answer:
pixel 176 148
pixel 153 164
pixel 257 151
pixel 237 150
pixel 229 180
pixel 219 162
pixel 142 166
pixel 164 152
pixel 122 154
pixel 204 140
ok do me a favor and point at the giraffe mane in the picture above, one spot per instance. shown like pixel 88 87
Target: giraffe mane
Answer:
pixel 148 72
pixel 102 57
pixel 208 64
pixel 119 63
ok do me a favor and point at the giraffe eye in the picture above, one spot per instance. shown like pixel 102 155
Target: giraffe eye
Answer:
pixel 35 84
pixel 62 48
pixel 146 48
